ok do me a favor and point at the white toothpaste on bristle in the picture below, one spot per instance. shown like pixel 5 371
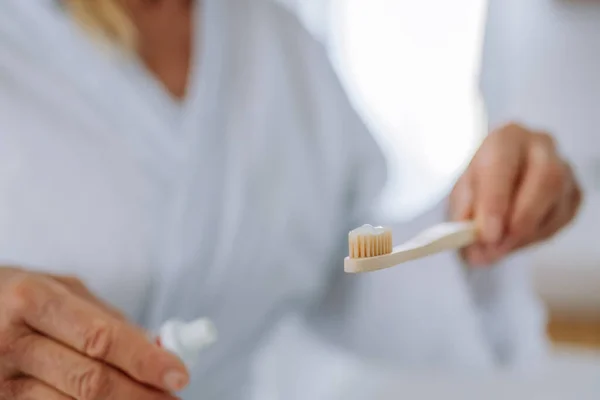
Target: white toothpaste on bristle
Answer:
pixel 369 230
pixel 187 340
pixel 369 241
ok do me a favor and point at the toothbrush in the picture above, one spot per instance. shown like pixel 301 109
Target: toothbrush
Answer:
pixel 371 247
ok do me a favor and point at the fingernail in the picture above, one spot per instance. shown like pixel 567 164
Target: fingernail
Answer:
pixel 175 381
pixel 493 229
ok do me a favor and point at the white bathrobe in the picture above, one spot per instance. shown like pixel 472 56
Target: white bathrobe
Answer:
pixel 234 204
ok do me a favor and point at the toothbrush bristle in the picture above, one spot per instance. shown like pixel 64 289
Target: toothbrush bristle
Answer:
pixel 368 241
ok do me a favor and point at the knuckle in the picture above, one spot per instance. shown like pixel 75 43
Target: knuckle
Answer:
pixel 513 126
pixel 546 139
pixel 19 350
pixel 509 129
pixel 7 344
pixel 7 349
pixel 11 339
pixel 522 228
pixel 98 340
pixel 49 309
pixel 539 155
pixel 494 204
pixel 73 282
pixel 16 389
pixel 19 292
pixel 93 382
pixel 554 177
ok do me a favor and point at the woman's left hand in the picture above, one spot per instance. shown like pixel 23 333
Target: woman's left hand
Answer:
pixel 518 189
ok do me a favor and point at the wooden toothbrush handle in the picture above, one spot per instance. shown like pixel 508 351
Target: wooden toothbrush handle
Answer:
pixel 445 236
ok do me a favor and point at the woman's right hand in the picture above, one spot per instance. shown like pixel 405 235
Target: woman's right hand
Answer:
pixel 59 342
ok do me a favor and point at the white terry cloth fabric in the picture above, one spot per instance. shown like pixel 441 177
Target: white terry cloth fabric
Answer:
pixel 233 204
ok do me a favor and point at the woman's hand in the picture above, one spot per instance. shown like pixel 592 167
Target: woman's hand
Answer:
pixel 519 191
pixel 59 342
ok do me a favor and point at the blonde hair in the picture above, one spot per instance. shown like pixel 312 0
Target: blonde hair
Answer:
pixel 107 18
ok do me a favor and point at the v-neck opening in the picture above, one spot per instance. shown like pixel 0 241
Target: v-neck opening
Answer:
pixel 143 111
pixel 202 73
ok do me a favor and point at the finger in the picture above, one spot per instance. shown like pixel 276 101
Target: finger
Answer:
pixel 78 287
pixel 497 171
pixel 29 389
pixel 51 309
pixel 542 187
pixel 560 215
pixel 548 227
pixel 461 198
pixel 555 220
pixel 76 375
pixel 574 194
pixel 475 255
pixel 480 255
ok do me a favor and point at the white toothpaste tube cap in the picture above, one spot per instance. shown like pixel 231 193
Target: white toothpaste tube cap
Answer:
pixel 187 340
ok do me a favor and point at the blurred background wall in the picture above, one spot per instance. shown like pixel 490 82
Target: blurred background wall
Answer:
pixel 413 69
